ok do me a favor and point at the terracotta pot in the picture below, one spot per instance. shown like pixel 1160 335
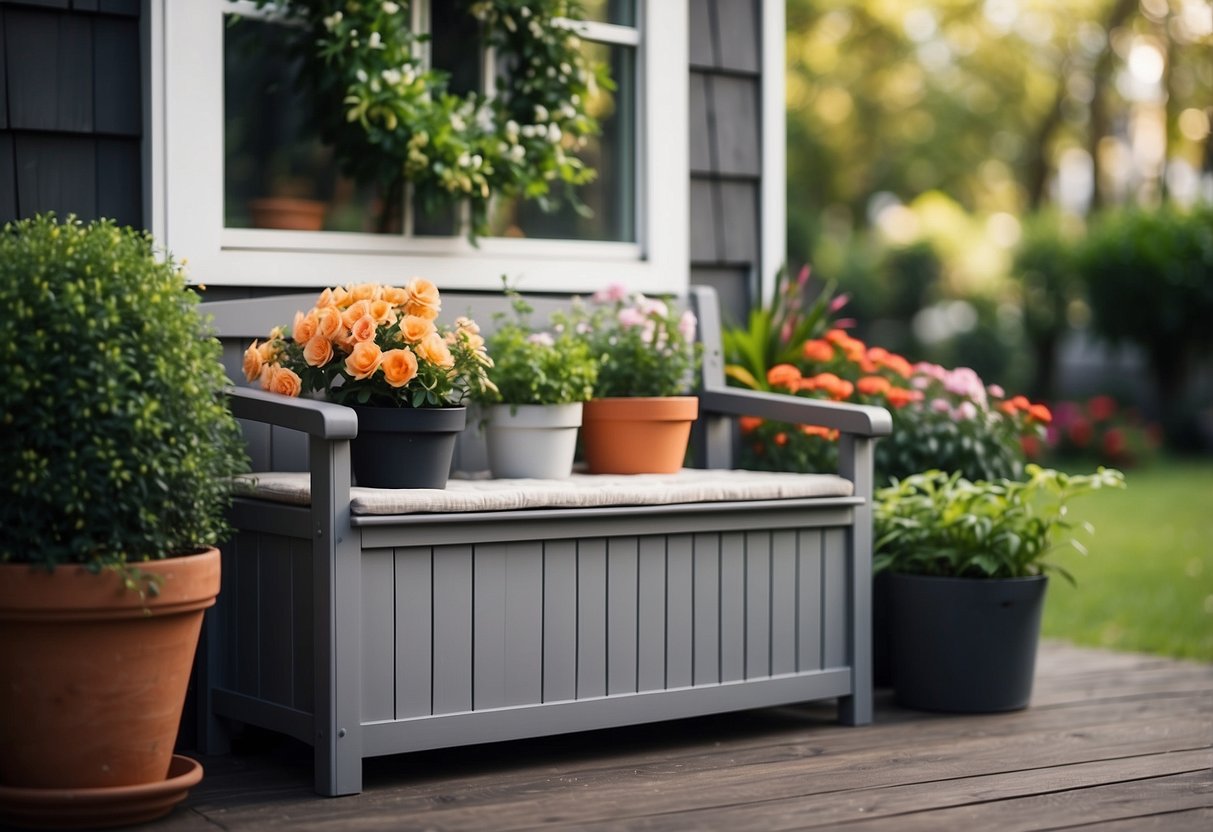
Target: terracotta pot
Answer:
pixel 639 435
pixel 93 677
pixel 287 212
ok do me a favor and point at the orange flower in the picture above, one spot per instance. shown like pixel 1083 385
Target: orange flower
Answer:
pixel 363 329
pixel 283 381
pixel 842 390
pixel 899 397
pixel 364 360
pixel 399 367
pixel 433 349
pixel 873 385
pixel 424 300
pixel 781 439
pixel 898 365
pixel 318 351
pixel 328 322
pixel 749 423
pixel 252 362
pixel 783 375
pixel 332 298
pixel 305 327
pixel 395 295
pixel 381 311
pixel 878 355
pixel 837 336
pixel 414 328
pixel 355 311
pixel 1020 403
pixel 365 291
pixel 818 430
pixel 1040 413
pixel 818 350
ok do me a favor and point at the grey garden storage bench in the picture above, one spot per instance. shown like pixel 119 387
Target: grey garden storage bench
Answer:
pixel 366 634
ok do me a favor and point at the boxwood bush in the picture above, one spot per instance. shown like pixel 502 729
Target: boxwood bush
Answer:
pixel 115 439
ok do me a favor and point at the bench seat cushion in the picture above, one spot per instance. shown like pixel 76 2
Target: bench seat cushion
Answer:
pixel 579 491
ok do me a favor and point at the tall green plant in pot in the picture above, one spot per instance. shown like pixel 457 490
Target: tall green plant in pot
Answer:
pixel 119 450
pixel 968 564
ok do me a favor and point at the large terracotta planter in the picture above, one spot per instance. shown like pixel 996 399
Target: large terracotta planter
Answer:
pixel 532 441
pixel 405 447
pixel 93 677
pixel 639 435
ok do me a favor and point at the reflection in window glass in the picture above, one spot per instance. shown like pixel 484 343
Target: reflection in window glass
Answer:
pixel 619 12
pixel 610 199
pixel 276 173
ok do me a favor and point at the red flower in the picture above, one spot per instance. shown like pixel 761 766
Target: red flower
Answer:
pixel 1113 443
pixel 1040 413
pixel 1080 433
pixel 749 423
pixel 1101 408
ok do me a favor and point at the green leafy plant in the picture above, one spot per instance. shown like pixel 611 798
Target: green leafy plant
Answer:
pixel 114 432
pixel 538 366
pixel 393 119
pixel 776 332
pixel 644 346
pixel 941 524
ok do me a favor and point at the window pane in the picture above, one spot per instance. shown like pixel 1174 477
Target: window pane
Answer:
pixel 272 158
pixel 611 197
pixel 621 12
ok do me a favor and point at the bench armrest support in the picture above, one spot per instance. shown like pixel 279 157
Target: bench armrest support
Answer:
pixel 857 419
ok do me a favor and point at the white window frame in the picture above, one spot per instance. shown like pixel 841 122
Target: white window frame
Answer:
pixel 186 149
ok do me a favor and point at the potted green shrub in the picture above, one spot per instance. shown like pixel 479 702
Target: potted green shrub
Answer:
pixel 533 404
pixel 639 420
pixel 968 566
pixel 119 450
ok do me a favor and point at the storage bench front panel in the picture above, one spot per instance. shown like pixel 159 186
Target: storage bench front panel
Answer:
pixel 456 628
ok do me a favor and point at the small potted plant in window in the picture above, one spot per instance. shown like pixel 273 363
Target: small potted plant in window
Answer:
pixel 967 567
pixel 538 384
pixel 639 420
pixel 119 451
pixel 379 350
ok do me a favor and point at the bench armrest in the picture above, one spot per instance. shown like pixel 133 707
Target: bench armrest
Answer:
pixel 324 420
pixel 857 419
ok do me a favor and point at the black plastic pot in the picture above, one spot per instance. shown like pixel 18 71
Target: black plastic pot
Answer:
pixel 964 645
pixel 404 447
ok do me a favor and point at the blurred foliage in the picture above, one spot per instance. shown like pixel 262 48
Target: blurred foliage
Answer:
pixel 1149 279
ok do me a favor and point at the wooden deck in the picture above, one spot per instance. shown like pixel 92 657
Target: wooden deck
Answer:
pixel 1111 742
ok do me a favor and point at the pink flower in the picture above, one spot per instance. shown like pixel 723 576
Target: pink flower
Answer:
pixel 940 405
pixel 839 302
pixel 996 391
pixel 630 316
pixel 652 306
pixel 687 324
pixel 543 339
pixel 967 412
pixel 611 294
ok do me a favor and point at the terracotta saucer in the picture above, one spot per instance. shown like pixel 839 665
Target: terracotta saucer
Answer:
pixel 100 807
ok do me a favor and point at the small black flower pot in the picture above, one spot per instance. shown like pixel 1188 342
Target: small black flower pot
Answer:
pixel 404 447
pixel 964 645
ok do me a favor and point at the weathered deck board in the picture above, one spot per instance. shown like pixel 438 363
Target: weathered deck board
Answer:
pixel 1112 741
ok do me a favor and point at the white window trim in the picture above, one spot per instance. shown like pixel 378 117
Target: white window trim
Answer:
pixel 186 146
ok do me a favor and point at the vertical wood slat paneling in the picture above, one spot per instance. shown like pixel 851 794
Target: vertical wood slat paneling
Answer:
pixel 622 554
pixel 809 613
pixel 507 624
pixel 452 661
pixel 247 640
pixel 758 604
pixel 651 614
pixel 559 620
pixel 378 634
pixel 414 633
pixel 732 607
pixel 591 618
pixel 275 619
pixel 706 602
pixel 303 649
pixel 783 602
pixel 834 598
pixel 680 642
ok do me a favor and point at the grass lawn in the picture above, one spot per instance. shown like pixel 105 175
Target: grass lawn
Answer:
pixel 1147 584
